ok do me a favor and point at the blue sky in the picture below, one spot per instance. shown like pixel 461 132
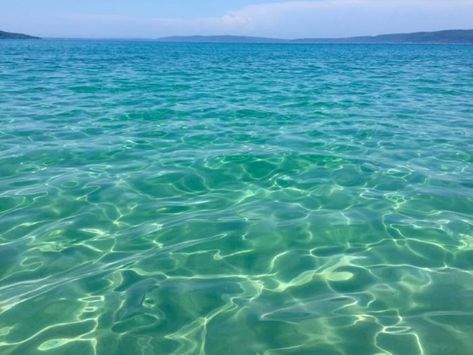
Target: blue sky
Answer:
pixel 273 18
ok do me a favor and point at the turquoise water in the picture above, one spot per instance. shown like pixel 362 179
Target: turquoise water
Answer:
pixel 235 199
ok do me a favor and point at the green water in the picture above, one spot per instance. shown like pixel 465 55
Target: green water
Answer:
pixel 235 199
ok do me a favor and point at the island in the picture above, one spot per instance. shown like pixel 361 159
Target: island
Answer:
pixel 10 35
pixel 438 37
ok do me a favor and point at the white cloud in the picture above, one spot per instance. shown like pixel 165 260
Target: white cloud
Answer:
pixel 346 17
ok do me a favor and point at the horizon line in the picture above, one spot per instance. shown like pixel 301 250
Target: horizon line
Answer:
pixel 242 36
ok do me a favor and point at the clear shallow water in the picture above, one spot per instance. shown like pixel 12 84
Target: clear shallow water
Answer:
pixel 235 199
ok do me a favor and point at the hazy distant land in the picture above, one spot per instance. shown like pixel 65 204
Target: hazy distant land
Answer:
pixel 438 37
pixel 10 35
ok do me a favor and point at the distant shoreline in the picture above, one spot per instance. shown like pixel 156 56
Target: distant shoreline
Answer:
pixel 458 37
pixel 11 35
pixel 438 37
pixel 246 43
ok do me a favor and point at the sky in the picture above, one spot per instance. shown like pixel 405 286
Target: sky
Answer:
pixel 269 18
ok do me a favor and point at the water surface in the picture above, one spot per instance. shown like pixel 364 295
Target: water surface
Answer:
pixel 235 199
